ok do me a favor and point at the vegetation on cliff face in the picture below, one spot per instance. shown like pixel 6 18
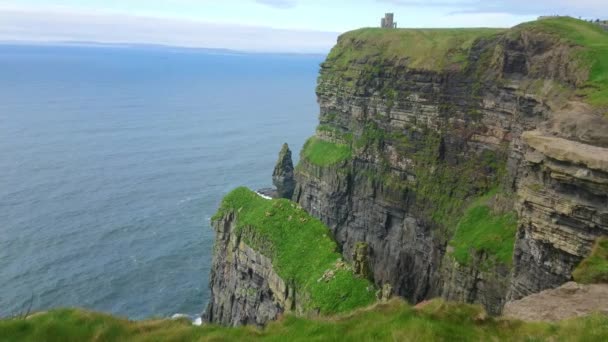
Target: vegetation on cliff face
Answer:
pixel 444 188
pixel 301 249
pixel 592 55
pixel 436 321
pixel 325 153
pixel 594 268
pixel 481 229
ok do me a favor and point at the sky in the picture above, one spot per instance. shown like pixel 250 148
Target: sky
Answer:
pixel 306 26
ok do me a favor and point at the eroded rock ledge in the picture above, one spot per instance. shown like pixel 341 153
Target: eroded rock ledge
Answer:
pixel 568 301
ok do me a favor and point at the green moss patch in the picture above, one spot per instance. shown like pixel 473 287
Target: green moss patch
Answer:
pixel 325 153
pixel 594 268
pixel 480 229
pixel 444 189
pixel 301 249
pixel 393 321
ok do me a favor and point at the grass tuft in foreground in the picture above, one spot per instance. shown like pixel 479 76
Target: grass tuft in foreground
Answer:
pixel 393 321
pixel 594 268
pixel 301 249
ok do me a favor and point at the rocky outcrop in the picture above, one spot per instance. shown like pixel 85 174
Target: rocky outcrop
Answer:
pixel 360 260
pixel 568 301
pixel 282 177
pixel 245 289
pixel 271 257
pixel 563 209
pixel 480 281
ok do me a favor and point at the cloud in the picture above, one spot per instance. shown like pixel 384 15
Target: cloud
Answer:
pixel 585 8
pixel 282 4
pixel 65 25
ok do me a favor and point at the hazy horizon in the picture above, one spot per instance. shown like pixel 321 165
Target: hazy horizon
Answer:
pixel 290 26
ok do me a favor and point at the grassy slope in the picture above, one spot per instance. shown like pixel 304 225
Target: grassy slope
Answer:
pixel 481 229
pixel 594 53
pixel 594 269
pixel 438 321
pixel 325 153
pixel 301 248
pixel 426 49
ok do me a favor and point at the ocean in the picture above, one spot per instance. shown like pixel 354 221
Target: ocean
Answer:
pixel 113 160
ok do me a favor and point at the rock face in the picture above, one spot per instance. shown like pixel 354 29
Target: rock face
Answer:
pixel 426 141
pixel 271 257
pixel 244 287
pixel 563 209
pixel 283 177
pixel 568 301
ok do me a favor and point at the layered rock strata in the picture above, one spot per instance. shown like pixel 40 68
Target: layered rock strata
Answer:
pixel 244 286
pixel 563 208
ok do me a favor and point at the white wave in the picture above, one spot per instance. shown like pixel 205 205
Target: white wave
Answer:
pixel 180 316
pixel 263 196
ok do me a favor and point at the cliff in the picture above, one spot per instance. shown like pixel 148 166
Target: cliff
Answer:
pixel 270 258
pixel 472 162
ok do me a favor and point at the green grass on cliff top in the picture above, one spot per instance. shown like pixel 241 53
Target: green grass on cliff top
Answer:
pixel 301 249
pixel 594 268
pixel 482 230
pixel 425 49
pixel 448 49
pixel 325 153
pixel 594 53
pixel 394 321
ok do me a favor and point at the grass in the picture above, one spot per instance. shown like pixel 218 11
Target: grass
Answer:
pixel 594 268
pixel 437 321
pixel 362 55
pixel 424 49
pixel 347 138
pixel 301 249
pixel 482 230
pixel 593 41
pixel 325 153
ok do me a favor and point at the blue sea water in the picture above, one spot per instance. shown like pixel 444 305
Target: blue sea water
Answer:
pixel 112 161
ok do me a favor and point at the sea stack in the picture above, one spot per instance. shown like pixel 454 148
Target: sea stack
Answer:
pixel 282 177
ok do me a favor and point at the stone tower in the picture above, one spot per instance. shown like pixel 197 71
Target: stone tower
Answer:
pixel 388 21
